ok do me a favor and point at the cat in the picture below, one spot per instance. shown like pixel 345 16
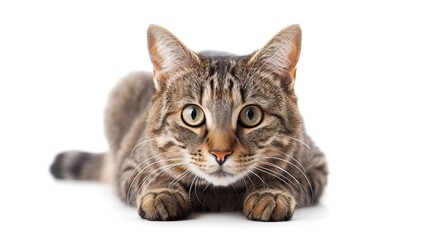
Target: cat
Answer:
pixel 207 132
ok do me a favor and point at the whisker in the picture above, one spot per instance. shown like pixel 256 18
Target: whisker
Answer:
pixel 283 170
pixel 236 192
pixel 206 187
pixel 266 163
pixel 178 178
pixel 143 186
pixel 265 184
pixel 300 142
pixel 140 172
pixel 276 175
pixel 302 172
pixel 163 169
pixel 160 167
pixel 292 158
pixel 196 192
pixel 251 181
pixel 190 188
pixel 139 144
pixel 135 169
pixel 300 187
pixel 245 184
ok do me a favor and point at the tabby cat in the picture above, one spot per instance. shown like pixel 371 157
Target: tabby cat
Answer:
pixel 208 131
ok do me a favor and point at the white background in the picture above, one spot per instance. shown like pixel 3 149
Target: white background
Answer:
pixel 362 82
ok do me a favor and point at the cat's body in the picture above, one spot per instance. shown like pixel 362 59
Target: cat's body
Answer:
pixel 213 132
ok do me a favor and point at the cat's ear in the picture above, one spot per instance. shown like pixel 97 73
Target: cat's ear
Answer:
pixel 280 55
pixel 168 54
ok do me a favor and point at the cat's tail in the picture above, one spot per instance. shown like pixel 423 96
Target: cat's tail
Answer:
pixel 82 166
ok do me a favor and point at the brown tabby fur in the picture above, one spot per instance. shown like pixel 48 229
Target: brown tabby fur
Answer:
pixel 164 167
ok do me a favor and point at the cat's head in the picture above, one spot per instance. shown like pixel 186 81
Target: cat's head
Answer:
pixel 220 117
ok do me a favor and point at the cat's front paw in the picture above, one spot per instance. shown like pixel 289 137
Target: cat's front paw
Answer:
pixel 269 205
pixel 164 205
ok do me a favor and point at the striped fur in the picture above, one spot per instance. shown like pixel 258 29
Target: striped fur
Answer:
pixel 78 165
pixel 164 167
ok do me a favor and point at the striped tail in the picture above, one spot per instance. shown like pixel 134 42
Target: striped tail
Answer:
pixel 79 165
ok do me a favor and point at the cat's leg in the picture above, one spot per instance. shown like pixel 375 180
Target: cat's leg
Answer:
pixel 317 174
pixel 312 175
pixel 161 202
pixel 269 204
pixel 156 196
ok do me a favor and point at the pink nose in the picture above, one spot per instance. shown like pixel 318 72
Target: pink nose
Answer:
pixel 221 155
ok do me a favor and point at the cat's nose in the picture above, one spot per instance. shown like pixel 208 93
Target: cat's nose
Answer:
pixel 221 155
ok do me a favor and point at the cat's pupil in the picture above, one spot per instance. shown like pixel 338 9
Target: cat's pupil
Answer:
pixel 193 113
pixel 250 114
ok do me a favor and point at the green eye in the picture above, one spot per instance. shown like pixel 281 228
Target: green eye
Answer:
pixel 250 116
pixel 193 115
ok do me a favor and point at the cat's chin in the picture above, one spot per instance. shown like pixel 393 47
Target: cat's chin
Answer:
pixel 221 178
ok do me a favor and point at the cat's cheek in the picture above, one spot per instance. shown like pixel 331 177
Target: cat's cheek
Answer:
pixel 190 137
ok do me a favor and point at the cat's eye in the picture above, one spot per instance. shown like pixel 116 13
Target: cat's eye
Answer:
pixel 193 115
pixel 250 116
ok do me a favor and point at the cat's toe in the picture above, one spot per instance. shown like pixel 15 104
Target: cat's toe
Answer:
pixel 164 205
pixel 269 205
